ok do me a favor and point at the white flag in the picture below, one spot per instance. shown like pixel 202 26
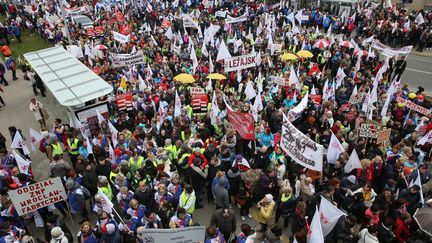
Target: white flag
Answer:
pixel 114 133
pixel 23 164
pixel 340 76
pixel 298 16
pixel 417 182
pixel 36 137
pixel 426 138
pixel 334 150
pixel 250 91
pixel 313 91
pixel 169 34
pixel 112 155
pixel 211 65
pixel 296 112
pixel 89 145
pixel 293 79
pixel 194 59
pixel 222 52
pixel 99 117
pixel 353 162
pixel 177 107
pixel 19 143
pixel 107 205
pixel 419 19
pixel 329 31
pixel 214 109
pixel 257 106
pixel 390 93
pixel 367 40
pixel 330 215
pixel 315 234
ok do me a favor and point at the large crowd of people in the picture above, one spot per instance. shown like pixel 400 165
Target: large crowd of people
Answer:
pixel 160 159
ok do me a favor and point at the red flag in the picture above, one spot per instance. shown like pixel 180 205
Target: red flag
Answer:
pixel 90 32
pixel 243 123
pixel 99 30
pixel 124 101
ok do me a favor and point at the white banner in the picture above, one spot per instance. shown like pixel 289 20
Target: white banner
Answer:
pixel 188 22
pixel 32 197
pixel 300 147
pixel 380 46
pixel 232 20
pixel 221 14
pixel 121 38
pixel 76 11
pixel 240 62
pixel 75 51
pixel 125 60
pixel 179 235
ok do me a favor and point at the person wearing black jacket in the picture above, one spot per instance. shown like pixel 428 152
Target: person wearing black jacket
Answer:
pixel 342 230
pixel 90 179
pixel 399 68
pixel 385 231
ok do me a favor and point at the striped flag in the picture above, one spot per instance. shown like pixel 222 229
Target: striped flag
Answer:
pixel 124 102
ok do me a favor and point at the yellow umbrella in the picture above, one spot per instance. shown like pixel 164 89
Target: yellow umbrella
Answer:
pixel 216 76
pixel 305 54
pixel 288 56
pixel 184 78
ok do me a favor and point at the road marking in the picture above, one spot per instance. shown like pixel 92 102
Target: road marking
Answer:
pixel 419 71
pixel 419 58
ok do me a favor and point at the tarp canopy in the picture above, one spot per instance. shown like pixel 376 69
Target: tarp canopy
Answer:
pixel 68 79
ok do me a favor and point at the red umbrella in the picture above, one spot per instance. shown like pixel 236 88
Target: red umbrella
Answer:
pixel 347 44
pixel 321 44
pixel 101 47
pixel 361 53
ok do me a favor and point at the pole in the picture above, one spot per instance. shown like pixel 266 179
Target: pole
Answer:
pixel 70 214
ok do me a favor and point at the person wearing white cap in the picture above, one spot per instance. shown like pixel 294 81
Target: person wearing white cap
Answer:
pixel 265 216
pixel 58 236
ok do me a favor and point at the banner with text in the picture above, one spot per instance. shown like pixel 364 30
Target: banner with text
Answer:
pixel 126 60
pixel 380 46
pixel 368 130
pixel 240 62
pixel 300 147
pixel 243 123
pixel 232 20
pixel 179 235
pixel 121 38
pixel 413 106
pixel 35 196
pixel 76 11
pixel 199 100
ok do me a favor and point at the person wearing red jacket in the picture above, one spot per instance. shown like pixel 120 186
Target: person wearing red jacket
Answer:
pixel 197 154
pixel 402 230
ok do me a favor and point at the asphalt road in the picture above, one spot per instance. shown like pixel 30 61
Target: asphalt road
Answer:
pixel 16 113
pixel 418 72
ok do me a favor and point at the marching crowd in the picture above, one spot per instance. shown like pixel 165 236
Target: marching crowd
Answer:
pixel 161 158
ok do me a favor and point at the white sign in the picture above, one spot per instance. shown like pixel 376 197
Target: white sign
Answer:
pixel 232 20
pixel 32 197
pixel 276 47
pixel 75 11
pixel 179 235
pixel 125 60
pixel 240 62
pixel 75 51
pixel 85 114
pixel 121 38
pixel 304 17
pixel 300 147
pixel 380 46
pixel 188 22
pixel 277 80
pixel 221 14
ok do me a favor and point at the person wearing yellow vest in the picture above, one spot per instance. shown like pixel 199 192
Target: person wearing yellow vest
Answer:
pixel 105 187
pixel 56 148
pixel 286 205
pixel 135 162
pixel 113 174
pixel 173 149
pixel 187 199
pixel 73 147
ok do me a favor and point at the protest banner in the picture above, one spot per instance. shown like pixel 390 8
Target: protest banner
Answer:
pixel 243 123
pixel 300 147
pixel 188 22
pixel 355 99
pixel 276 47
pixel 90 32
pixel 232 20
pixel 179 235
pixel 199 100
pixel 121 38
pixel 221 14
pixel 368 130
pixel 240 62
pixel 66 12
pixel 413 106
pixel 380 46
pixel 125 60
pixel 35 196
pixel 278 80
pixel 383 136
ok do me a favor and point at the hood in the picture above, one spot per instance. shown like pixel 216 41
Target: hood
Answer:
pixel 222 181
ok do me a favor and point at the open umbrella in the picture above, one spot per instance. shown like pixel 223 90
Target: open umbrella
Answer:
pixel 184 78
pixel 321 44
pixel 216 76
pixel 347 44
pixel 288 56
pixel 423 216
pixel 361 53
pixel 305 54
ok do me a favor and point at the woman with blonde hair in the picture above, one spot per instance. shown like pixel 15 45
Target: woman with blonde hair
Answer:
pixel 265 215
pixel 87 233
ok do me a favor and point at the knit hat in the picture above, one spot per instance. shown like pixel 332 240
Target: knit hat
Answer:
pixel 57 233
pixel 45 134
pixel 238 157
pixel 110 228
pixel 70 183
pixel 351 179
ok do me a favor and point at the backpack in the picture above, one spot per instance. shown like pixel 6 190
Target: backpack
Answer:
pixel 87 194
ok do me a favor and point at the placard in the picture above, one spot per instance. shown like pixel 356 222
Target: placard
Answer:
pixel 35 196
pixel 413 106
pixel 355 99
pixel 383 136
pixel 125 60
pixel 368 130
pixel 199 100
pixel 121 38
pixel 232 20
pixel 240 62
pixel 178 235
pixel 279 80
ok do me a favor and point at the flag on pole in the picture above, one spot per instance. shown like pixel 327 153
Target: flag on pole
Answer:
pixel 100 117
pixel 334 150
pixel 417 182
pixel 214 109
pixel 419 19
pixel 315 234
pixel 177 107
pixel 340 76
pixel 222 52
pixel 293 79
pixel 23 164
pixel 250 91
pixel 329 215
pixel 19 143
pixel 89 146
pixel 107 205
pixel 426 138
pixel 296 112
pixel 36 137
pixel 353 162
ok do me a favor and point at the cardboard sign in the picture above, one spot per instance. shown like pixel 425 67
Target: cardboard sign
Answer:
pixel 276 47
pixel 304 17
pixel 383 136
pixel 240 62
pixel 413 106
pixel 33 197
pixel 199 100
pixel 126 60
pixel 368 130
pixel 279 80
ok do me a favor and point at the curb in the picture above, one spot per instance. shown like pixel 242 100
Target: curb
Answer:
pixel 422 54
